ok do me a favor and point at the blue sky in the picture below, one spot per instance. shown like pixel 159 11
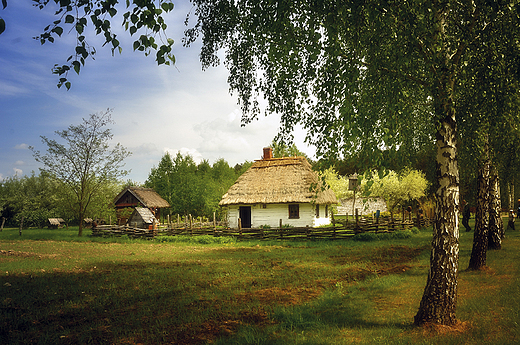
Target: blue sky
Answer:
pixel 155 108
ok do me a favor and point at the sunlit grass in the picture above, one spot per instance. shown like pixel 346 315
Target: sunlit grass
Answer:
pixel 56 288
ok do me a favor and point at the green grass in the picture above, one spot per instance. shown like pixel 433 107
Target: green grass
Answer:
pixel 56 288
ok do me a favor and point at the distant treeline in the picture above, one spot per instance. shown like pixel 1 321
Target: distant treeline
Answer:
pixel 36 198
pixel 192 188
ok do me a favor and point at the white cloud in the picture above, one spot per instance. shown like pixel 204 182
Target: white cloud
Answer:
pixel 7 89
pixel 21 147
pixel 18 172
pixel 194 153
pixel 19 163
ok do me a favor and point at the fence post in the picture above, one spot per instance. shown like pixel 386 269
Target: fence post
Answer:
pixel 357 218
pixel 332 216
pixel 281 233
pixel 240 227
pixel 214 224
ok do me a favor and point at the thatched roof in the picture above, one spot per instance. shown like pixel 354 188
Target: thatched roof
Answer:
pixel 147 197
pixel 279 180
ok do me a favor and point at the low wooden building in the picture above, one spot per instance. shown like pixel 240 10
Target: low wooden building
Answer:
pixel 132 197
pixel 55 223
pixel 142 218
pixel 275 189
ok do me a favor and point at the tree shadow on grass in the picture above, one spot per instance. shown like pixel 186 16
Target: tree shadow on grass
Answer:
pixel 170 302
pixel 113 304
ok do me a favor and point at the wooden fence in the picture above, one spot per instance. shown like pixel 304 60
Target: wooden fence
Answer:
pixel 339 230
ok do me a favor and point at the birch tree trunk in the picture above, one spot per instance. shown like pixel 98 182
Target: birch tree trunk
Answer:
pixel 439 301
pixel 496 226
pixel 480 238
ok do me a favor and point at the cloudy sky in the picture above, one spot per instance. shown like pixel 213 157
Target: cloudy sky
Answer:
pixel 155 108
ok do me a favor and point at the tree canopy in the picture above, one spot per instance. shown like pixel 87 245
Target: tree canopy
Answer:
pixel 192 188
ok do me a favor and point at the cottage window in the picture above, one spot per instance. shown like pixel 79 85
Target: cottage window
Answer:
pixel 317 211
pixel 294 211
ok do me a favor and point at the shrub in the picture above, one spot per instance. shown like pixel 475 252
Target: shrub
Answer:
pixel 370 236
pixel 365 237
pixel 205 239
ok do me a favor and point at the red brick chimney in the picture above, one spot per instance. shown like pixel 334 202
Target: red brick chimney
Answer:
pixel 268 153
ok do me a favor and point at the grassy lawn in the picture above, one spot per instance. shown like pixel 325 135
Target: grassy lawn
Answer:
pixel 56 288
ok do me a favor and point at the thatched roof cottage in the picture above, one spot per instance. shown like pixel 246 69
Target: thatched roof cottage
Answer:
pixel 275 189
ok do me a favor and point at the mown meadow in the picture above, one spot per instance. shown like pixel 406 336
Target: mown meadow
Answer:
pixel 56 288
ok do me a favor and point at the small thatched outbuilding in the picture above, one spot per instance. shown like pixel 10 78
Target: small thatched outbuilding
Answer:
pixel 132 197
pixel 278 188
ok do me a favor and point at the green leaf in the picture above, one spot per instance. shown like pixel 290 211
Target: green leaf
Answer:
pixel 4 5
pixel 2 25
pixel 136 45
pixel 67 85
pixel 133 30
pixel 69 19
pixel 58 30
pixel 79 28
pixel 77 66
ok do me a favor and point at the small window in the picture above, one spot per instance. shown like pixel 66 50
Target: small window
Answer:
pixel 317 211
pixel 294 211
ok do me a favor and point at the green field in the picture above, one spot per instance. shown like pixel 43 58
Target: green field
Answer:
pixel 56 288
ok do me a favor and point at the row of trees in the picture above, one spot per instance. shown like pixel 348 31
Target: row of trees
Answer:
pixel 32 199
pixel 192 188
